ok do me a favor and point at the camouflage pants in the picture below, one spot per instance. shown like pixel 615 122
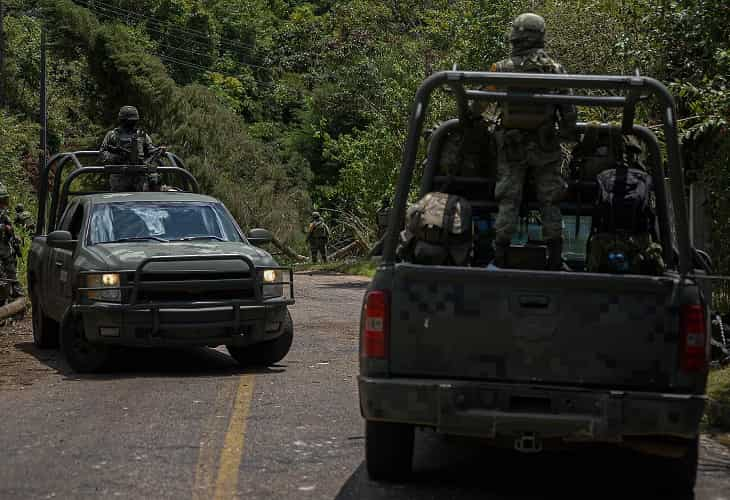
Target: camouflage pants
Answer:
pixel 8 262
pixel 318 247
pixel 642 255
pixel 519 155
pixel 120 183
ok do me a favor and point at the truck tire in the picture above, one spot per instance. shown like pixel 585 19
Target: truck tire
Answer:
pixel 683 471
pixel 81 355
pixel 45 330
pixel 388 450
pixel 266 353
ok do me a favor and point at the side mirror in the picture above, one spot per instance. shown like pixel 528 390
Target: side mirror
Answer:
pixel 61 239
pixel 259 237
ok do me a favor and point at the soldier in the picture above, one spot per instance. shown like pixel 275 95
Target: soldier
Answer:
pixel 23 218
pixel 9 245
pixel 317 235
pixel 126 145
pixel 528 142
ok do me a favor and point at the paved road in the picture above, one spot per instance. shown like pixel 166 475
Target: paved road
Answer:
pixel 191 424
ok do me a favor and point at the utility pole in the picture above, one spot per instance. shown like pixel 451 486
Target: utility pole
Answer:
pixel 43 100
pixel 2 53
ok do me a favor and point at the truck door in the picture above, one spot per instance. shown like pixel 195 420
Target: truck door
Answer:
pixel 61 262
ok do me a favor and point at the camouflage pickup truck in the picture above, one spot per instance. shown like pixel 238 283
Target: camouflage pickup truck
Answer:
pixel 536 359
pixel 165 268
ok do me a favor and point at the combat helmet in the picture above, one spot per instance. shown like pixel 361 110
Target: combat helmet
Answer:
pixel 316 215
pixel 528 30
pixel 128 113
pixel 19 208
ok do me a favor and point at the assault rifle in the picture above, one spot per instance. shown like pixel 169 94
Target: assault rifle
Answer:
pixel 147 167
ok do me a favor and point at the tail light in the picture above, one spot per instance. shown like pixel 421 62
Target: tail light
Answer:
pixel 693 338
pixel 375 324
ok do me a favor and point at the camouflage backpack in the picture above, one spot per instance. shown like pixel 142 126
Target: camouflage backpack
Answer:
pixel 529 116
pixel 438 231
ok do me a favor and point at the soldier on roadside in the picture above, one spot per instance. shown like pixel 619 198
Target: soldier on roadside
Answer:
pixel 317 236
pixel 23 218
pixel 126 145
pixel 529 143
pixel 9 245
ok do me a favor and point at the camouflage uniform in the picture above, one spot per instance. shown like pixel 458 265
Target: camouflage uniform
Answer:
pixel 9 248
pixel 23 218
pixel 528 144
pixel 317 235
pixel 117 149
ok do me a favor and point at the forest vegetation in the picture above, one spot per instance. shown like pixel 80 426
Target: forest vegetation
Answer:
pixel 281 106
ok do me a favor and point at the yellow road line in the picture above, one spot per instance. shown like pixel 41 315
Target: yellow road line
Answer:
pixel 208 454
pixel 227 481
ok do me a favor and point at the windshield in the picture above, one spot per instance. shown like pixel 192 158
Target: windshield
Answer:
pixel 160 222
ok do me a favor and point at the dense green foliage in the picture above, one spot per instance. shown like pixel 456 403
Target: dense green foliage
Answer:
pixel 278 105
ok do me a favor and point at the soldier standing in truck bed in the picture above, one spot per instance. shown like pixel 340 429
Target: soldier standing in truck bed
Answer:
pixel 528 143
pixel 126 145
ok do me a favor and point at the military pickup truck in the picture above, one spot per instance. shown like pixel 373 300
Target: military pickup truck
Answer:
pixel 536 359
pixel 168 268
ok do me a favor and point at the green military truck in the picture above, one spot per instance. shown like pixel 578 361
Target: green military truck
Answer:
pixel 536 359
pixel 168 268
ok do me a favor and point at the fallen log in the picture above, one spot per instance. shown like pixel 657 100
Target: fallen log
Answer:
pixel 344 251
pixel 12 308
pixel 287 251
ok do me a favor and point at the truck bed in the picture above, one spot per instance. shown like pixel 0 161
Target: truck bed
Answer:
pixel 578 329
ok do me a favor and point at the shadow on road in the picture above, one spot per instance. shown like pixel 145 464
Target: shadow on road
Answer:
pixel 464 470
pixel 153 362
pixel 346 285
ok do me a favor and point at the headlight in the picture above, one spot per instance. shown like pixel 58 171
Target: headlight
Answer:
pixel 269 277
pixel 110 279
pixel 101 281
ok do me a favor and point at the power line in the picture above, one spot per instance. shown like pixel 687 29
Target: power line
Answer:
pixel 166 24
pixel 116 17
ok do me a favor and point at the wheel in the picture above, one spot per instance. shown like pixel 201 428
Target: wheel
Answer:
pixel 388 450
pixel 81 355
pixel 45 330
pixel 266 353
pixel 683 471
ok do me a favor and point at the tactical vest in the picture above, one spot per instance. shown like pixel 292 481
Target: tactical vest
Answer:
pixel 528 116
pixel 319 230
pixel 133 142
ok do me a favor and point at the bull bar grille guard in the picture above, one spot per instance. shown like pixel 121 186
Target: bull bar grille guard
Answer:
pixel 258 302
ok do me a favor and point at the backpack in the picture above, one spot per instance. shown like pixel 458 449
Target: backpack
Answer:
pixel 623 203
pixel 438 231
pixel 529 116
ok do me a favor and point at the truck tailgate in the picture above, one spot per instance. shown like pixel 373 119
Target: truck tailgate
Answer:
pixel 572 328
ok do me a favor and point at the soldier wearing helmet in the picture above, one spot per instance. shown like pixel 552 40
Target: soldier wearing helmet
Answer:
pixel 9 245
pixel 317 236
pixel 126 145
pixel 529 144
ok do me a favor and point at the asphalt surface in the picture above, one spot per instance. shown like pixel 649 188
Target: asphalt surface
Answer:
pixel 192 424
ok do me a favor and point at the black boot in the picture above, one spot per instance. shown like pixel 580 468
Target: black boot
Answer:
pixel 555 254
pixel 500 254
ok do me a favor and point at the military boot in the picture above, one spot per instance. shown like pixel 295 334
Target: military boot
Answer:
pixel 555 254
pixel 500 254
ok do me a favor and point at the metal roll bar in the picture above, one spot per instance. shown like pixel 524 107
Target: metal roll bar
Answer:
pixel 635 86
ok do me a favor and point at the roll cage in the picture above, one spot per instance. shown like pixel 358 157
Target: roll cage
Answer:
pixel 672 209
pixel 84 163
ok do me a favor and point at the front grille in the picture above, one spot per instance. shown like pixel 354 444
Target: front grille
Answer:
pixel 147 295
pixel 194 286
pixel 192 275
